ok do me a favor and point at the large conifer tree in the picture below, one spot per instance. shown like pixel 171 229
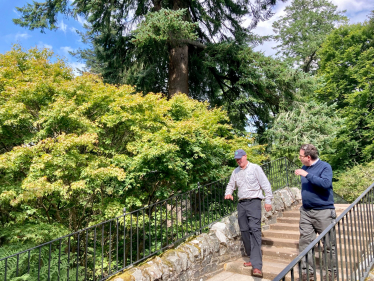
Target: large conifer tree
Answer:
pixel 213 61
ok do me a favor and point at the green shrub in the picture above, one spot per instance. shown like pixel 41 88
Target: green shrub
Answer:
pixel 75 151
pixel 354 181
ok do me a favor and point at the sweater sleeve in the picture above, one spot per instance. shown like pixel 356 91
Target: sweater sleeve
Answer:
pixel 264 184
pixel 324 179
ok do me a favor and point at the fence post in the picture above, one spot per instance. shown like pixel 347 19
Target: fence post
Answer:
pixel 199 189
pixel 285 161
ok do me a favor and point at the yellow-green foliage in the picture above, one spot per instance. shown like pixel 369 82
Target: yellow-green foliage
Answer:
pixel 354 181
pixel 75 151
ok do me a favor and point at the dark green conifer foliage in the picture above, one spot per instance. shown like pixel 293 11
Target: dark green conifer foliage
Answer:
pixel 217 65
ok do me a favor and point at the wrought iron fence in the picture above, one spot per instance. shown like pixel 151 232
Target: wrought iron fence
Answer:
pixel 102 250
pixel 352 246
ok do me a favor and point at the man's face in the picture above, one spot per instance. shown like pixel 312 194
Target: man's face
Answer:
pixel 242 162
pixel 305 160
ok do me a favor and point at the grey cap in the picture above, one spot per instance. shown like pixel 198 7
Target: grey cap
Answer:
pixel 239 153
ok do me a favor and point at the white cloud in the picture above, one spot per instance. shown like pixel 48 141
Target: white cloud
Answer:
pixel 265 28
pixel 354 6
pixel 21 36
pixel 81 20
pixel 16 12
pixel 73 29
pixel 359 17
pixel 42 45
pixel 62 26
pixel 357 11
pixel 66 50
pixel 76 66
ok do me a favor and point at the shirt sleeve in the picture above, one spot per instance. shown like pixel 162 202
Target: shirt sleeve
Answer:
pixel 231 185
pixel 264 184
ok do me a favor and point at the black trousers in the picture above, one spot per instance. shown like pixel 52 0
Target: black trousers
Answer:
pixel 249 218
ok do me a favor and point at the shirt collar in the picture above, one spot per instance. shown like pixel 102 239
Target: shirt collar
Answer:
pixel 315 162
pixel 244 167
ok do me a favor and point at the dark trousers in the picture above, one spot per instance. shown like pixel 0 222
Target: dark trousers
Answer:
pixel 249 217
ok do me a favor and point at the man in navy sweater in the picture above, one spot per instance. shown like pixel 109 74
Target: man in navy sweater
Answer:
pixel 317 210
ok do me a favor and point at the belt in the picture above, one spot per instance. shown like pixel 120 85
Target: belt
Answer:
pixel 248 199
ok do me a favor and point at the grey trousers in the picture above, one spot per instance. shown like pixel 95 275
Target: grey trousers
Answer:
pixel 249 218
pixel 314 222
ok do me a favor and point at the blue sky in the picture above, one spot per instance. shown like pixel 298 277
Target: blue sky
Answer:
pixel 66 39
pixel 61 41
pixel 356 11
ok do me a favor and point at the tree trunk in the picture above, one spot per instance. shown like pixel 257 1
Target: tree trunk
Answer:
pixel 178 70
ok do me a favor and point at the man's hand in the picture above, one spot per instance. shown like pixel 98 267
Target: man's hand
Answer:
pixel 300 172
pixel 229 196
pixel 268 207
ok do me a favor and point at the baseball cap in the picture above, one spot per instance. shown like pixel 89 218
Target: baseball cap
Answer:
pixel 239 153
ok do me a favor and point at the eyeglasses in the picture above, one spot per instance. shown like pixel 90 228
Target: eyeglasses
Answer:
pixel 302 156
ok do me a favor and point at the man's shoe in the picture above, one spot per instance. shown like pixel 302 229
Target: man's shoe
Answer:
pixel 247 264
pixel 256 272
pixel 330 276
pixel 304 277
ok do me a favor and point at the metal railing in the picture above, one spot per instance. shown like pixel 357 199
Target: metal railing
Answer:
pixel 352 246
pixel 102 250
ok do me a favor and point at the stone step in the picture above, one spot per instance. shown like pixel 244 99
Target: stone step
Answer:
pixel 280 242
pixel 295 235
pixel 288 254
pixel 291 214
pixel 341 207
pixel 284 226
pixel 287 234
pixel 294 244
pixel 289 220
pixel 295 228
pixel 294 215
pixel 271 267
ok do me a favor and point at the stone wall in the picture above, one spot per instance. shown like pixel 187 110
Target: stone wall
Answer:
pixel 205 255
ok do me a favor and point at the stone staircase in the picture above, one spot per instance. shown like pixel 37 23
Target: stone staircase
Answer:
pixel 280 244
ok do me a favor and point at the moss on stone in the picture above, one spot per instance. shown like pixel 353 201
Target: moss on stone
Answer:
pixel 125 276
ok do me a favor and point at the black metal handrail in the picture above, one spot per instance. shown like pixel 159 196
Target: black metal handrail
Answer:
pixel 352 241
pixel 102 250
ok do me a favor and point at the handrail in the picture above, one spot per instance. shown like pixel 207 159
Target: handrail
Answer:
pixel 343 222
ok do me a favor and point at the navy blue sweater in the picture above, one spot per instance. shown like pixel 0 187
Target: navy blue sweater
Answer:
pixel 316 187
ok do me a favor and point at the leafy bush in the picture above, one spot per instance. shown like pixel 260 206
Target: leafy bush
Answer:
pixel 354 181
pixel 307 122
pixel 75 151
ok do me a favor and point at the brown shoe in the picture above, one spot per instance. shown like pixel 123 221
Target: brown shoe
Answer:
pixel 330 276
pixel 247 264
pixel 256 272
pixel 304 277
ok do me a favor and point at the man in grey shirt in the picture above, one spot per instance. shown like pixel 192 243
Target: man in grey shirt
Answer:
pixel 250 180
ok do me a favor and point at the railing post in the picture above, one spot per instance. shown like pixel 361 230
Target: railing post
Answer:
pixel 200 215
pixel 285 161
pixel 124 237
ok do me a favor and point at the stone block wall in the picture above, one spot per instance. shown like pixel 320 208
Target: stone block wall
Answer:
pixel 205 255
